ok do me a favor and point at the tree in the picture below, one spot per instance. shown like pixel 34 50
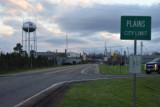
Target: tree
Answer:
pixel 18 48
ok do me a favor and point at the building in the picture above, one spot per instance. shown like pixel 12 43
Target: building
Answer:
pixel 61 58
pixel 72 58
pixel 49 55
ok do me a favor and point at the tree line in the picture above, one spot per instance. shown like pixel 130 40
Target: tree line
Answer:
pixel 19 60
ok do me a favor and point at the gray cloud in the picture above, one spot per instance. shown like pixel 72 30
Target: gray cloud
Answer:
pixel 104 17
pixel 49 9
pixel 57 41
pixel 14 23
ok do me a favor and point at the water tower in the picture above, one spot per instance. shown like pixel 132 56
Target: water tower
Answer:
pixel 29 38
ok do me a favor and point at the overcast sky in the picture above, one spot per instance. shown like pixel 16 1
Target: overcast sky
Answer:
pixel 88 23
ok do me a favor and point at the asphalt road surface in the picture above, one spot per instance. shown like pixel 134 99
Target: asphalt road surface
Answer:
pixel 15 88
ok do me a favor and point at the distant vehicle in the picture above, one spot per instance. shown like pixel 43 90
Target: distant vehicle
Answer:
pixel 152 66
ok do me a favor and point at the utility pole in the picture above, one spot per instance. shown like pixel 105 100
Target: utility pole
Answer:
pixel 128 51
pixel 31 56
pixel 56 57
pixel 0 52
pixel 66 50
pixel 29 42
pixel 105 49
pixel 141 48
pixel 121 58
pixel 66 42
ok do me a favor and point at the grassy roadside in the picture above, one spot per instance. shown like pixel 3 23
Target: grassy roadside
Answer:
pixel 113 93
pixel 25 70
pixel 115 69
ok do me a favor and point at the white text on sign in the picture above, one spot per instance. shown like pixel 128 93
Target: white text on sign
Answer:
pixel 135 23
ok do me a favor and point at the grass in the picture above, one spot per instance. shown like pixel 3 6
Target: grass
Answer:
pixel 19 70
pixel 115 69
pixel 113 93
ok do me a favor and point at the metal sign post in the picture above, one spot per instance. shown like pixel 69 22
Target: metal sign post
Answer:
pixel 134 68
pixel 134 78
pixel 135 28
pixel 134 91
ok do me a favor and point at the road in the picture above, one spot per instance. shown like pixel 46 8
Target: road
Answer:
pixel 18 87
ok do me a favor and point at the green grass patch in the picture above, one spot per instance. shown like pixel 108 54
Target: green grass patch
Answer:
pixel 113 93
pixel 116 69
pixel 113 69
pixel 27 69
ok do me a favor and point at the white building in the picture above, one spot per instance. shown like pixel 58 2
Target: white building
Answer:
pixel 73 58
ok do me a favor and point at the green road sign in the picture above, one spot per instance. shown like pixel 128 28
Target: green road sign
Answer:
pixel 136 27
